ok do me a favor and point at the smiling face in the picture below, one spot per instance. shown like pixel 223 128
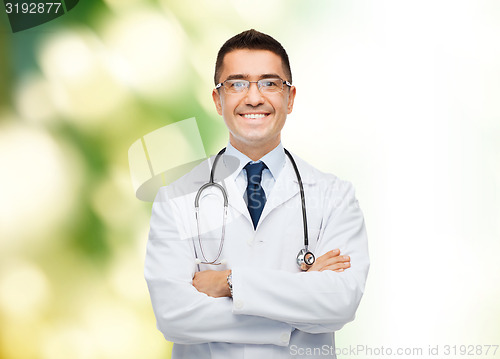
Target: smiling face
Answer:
pixel 254 119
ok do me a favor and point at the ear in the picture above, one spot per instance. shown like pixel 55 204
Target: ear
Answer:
pixel 291 98
pixel 217 101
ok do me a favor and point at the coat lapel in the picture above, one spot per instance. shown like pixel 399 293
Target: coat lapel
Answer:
pixel 286 187
pixel 236 200
pixel 232 167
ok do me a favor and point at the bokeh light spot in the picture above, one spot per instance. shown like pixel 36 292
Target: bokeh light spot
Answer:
pixel 36 187
pixel 24 290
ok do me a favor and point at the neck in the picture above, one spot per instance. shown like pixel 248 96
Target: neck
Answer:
pixel 253 152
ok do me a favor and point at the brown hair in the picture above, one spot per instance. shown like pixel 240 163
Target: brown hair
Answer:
pixel 252 40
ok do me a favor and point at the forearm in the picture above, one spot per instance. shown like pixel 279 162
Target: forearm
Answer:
pixel 327 298
pixel 187 316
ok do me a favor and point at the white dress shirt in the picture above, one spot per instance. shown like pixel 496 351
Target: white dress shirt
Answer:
pixel 274 160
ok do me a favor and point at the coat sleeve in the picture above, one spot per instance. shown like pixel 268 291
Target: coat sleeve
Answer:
pixel 314 302
pixel 183 314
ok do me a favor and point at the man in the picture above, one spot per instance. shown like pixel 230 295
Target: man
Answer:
pixel 255 301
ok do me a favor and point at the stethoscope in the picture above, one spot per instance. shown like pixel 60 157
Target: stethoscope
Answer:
pixel 304 257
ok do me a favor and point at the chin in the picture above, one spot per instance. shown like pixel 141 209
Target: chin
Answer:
pixel 254 137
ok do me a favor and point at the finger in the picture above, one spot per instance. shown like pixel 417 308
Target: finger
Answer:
pixel 332 253
pixel 338 267
pixel 329 254
pixel 335 263
pixel 320 261
pixel 338 259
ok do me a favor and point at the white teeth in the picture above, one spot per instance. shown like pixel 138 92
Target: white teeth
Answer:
pixel 254 115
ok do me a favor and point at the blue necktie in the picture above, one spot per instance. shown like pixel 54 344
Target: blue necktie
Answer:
pixel 255 193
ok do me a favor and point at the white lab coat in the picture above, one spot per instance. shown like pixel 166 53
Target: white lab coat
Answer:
pixel 277 311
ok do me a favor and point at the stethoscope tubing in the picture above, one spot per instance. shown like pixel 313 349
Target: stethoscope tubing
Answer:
pixel 197 210
pixel 302 199
pixel 211 183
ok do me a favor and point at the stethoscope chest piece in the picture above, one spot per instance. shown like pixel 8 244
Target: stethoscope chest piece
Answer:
pixel 305 257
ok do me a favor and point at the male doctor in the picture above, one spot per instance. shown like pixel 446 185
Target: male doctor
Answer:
pixel 255 301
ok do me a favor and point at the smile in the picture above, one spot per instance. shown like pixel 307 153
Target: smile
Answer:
pixel 254 115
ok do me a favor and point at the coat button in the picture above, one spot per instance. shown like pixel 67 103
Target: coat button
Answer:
pixel 238 304
pixel 250 241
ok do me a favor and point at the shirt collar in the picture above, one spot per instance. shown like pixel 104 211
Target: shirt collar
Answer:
pixel 274 160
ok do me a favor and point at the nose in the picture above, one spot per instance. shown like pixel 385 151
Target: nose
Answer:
pixel 253 96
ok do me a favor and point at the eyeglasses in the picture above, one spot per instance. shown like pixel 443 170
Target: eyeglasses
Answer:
pixel 264 85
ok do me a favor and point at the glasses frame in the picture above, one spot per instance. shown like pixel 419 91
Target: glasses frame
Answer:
pixel 221 84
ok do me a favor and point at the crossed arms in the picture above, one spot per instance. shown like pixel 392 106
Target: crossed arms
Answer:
pixel 214 283
pixel 194 307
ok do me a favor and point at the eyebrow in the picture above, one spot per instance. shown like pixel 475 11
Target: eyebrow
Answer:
pixel 246 76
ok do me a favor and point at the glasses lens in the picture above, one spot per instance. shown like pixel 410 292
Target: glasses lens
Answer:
pixel 264 85
pixel 271 85
pixel 235 86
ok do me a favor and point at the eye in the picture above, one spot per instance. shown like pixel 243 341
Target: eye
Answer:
pixel 270 83
pixel 238 85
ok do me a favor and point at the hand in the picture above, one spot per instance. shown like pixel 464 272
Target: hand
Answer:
pixel 331 260
pixel 212 283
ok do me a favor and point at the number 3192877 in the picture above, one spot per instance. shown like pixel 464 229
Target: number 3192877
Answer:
pixel 33 8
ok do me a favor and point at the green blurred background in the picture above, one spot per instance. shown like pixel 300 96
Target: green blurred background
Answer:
pixel 399 97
